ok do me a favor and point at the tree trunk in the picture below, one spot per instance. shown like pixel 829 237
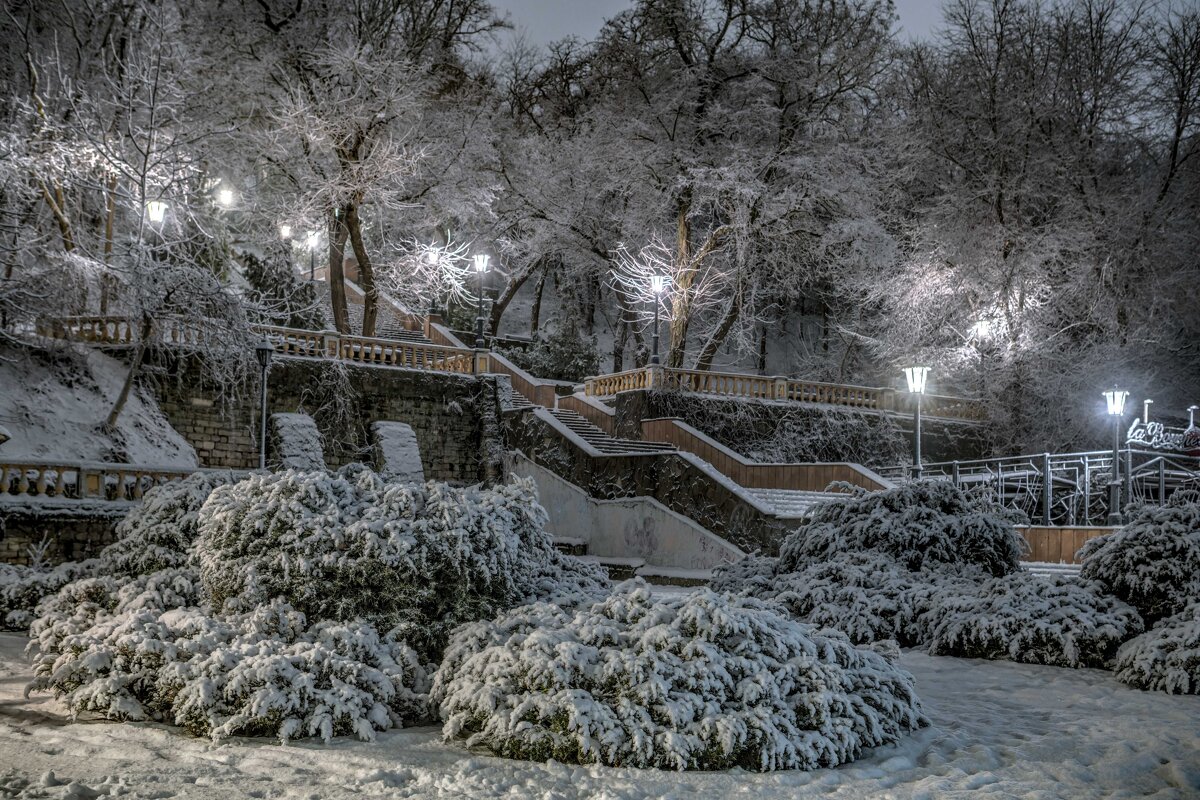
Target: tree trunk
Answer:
pixel 510 291
pixel 337 280
pixel 535 313
pixel 110 423
pixel 704 361
pixel 109 216
pixel 618 351
pixel 366 275
pixel 762 350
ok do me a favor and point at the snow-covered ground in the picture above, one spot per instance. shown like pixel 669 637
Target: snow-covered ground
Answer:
pixel 999 730
pixel 54 412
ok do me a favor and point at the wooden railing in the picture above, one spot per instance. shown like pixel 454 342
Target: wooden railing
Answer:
pixel 81 481
pixel 760 387
pixel 392 353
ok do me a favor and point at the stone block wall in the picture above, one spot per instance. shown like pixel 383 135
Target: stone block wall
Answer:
pixel 455 417
pixel 73 533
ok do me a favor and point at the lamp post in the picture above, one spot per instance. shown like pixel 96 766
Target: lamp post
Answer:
pixel 263 352
pixel 432 258
pixel 311 242
pixel 658 283
pixel 481 265
pixel 917 378
pixel 1116 409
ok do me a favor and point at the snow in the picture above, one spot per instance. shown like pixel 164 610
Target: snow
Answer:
pixel 396 452
pixel 53 405
pixel 296 442
pixel 1000 730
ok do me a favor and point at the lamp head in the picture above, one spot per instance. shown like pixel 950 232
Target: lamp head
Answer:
pixel 1116 401
pixel 225 196
pixel 285 231
pixel 312 240
pixel 431 256
pixel 658 283
pixel 481 262
pixel 917 378
pixel 263 352
pixel 156 210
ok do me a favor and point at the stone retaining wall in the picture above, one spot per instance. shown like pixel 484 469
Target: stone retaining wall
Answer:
pixel 455 417
pixel 75 531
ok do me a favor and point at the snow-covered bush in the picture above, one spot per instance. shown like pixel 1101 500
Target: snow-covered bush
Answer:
pixel 255 674
pixel 922 523
pixel 350 545
pixel 1032 619
pixel 22 587
pixel 1153 562
pixel 1166 657
pixel 158 532
pixel 698 682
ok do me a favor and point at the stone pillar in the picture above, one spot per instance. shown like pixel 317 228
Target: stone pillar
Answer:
pixel 781 392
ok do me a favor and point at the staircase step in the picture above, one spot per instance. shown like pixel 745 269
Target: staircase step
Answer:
pixel 606 444
pixel 792 503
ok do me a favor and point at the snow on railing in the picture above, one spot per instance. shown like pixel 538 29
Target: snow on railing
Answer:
pixel 761 387
pixel 40 480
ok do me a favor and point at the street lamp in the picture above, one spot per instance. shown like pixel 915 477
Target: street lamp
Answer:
pixel 313 239
pixel 481 265
pixel 225 197
pixel 156 210
pixel 263 352
pixel 1116 409
pixel 1146 411
pixel 917 377
pixel 285 232
pixel 658 284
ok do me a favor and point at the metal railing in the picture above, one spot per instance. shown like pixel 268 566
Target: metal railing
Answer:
pixel 1067 488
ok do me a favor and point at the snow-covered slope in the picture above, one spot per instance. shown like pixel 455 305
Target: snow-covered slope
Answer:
pixel 53 405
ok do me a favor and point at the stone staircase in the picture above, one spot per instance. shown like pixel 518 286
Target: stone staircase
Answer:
pixel 790 503
pixel 601 441
pixel 387 324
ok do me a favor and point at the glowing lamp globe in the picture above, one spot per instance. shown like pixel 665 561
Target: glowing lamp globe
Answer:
pixel 1116 401
pixel 156 210
pixel 431 256
pixel 285 231
pixel 658 283
pixel 481 262
pixel 225 197
pixel 312 240
pixel 917 378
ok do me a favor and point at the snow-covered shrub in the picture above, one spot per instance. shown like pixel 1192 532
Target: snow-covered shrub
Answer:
pixel 748 575
pixel 922 523
pixel 702 681
pixel 1153 562
pixel 22 587
pixel 158 532
pixel 867 596
pixel 255 674
pixel 1166 657
pixel 350 545
pixel 1032 619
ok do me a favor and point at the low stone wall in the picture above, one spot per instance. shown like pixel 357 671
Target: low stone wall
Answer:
pixel 455 417
pixel 861 437
pixel 679 481
pixel 74 530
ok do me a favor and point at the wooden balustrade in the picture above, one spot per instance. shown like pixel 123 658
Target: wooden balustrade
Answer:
pixel 837 394
pixel 728 384
pixel 84 481
pixel 95 329
pixel 630 379
pixel 388 352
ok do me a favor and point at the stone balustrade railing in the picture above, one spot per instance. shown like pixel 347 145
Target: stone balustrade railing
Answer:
pixel 41 480
pixel 760 387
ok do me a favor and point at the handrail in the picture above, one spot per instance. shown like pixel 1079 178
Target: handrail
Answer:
pixel 764 387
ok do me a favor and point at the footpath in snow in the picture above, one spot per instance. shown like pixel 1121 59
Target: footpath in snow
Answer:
pixel 999 730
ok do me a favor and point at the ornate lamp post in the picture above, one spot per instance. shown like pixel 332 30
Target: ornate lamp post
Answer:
pixel 658 284
pixel 481 265
pixel 917 378
pixel 263 352
pixel 1116 409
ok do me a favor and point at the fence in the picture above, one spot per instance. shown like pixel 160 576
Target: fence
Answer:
pixel 759 387
pixel 1068 488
